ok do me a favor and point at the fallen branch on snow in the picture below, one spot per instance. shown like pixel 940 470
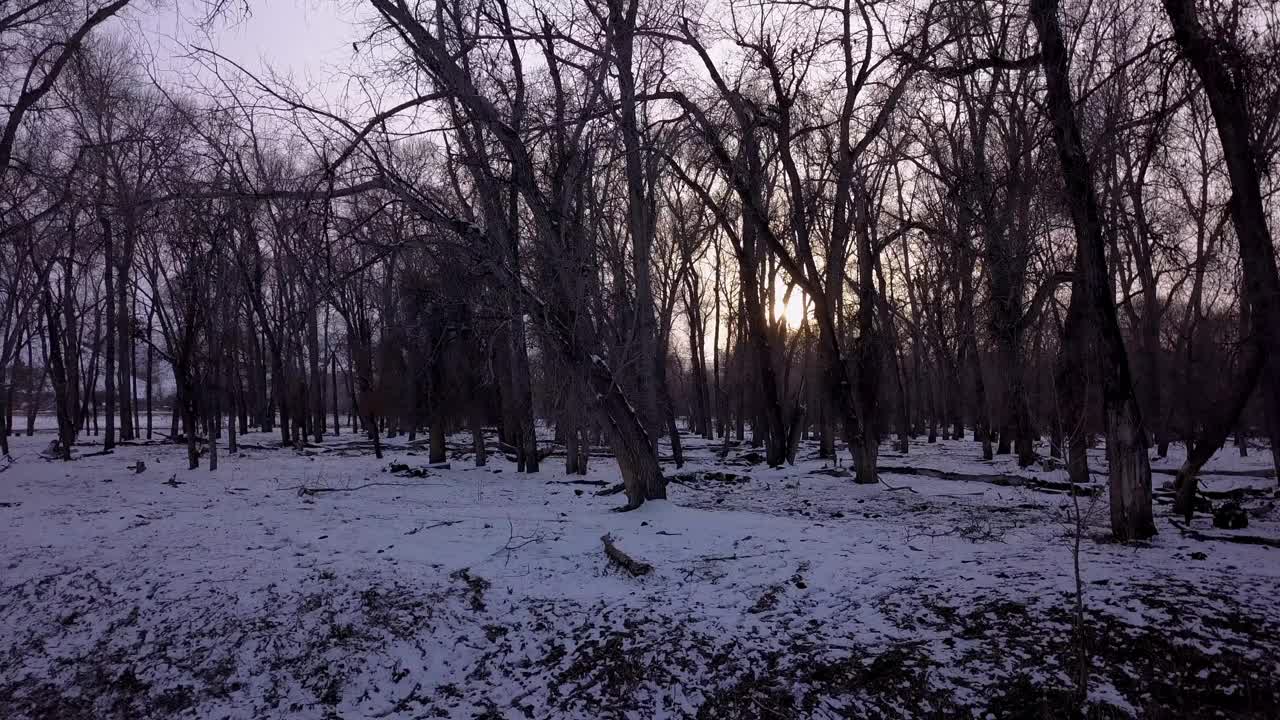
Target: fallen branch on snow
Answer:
pixel 304 490
pixel 515 542
pixel 1239 494
pixel 628 563
pixel 735 556
pixel 442 523
pixel 896 489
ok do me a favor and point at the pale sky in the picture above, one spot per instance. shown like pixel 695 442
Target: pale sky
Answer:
pixel 308 39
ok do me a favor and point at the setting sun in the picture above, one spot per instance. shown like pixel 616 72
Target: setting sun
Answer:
pixel 792 309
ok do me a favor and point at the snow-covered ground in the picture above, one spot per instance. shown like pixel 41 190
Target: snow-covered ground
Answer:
pixel 480 592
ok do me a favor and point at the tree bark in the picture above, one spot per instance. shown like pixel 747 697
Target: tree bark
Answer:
pixel 109 435
pixel 1129 466
pixel 1228 103
pixel 63 400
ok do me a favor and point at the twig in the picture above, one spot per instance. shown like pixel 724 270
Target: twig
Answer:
pixel 735 556
pixel 515 542
pixel 442 523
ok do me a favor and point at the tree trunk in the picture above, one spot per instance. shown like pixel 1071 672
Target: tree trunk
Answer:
pixel 109 384
pixel 621 25
pixel 641 475
pixel 150 372
pixel 63 397
pixel 124 327
pixel 438 452
pixel 1129 466
pixel 135 428
pixel 213 415
pixel 6 415
pixel 477 434
pixel 316 394
pixel 571 454
pixel 525 428
pixel 280 389
pixel 1228 102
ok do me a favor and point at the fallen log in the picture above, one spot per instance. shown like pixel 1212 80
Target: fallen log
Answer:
pixel 628 563
pixel 1261 474
pixel 611 490
pixel 1002 480
pixel 510 451
pixel 710 476
pixel 596 483
pixel 1240 493
pixel 1239 539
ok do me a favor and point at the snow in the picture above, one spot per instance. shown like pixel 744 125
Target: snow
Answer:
pixel 481 590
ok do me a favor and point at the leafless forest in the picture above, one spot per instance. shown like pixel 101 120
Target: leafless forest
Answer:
pixel 620 233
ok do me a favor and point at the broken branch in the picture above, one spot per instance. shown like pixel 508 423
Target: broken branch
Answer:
pixel 630 564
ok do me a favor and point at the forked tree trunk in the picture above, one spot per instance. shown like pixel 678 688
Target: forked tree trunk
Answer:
pixel 63 399
pixel 1227 101
pixel 1130 471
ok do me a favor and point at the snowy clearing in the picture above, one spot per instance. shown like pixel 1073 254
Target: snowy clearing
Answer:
pixel 480 592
